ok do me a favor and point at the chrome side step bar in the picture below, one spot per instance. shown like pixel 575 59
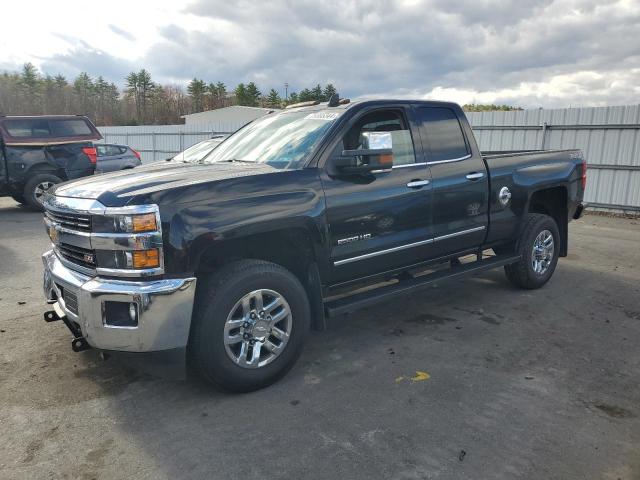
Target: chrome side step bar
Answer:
pixel 333 308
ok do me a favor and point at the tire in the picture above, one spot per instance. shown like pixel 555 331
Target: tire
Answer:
pixel 219 315
pixel 19 198
pixel 33 189
pixel 536 230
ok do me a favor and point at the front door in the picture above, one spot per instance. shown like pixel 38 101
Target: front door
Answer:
pixel 381 220
pixel 459 180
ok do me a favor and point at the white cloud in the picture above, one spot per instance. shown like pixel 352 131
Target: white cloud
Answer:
pixel 534 53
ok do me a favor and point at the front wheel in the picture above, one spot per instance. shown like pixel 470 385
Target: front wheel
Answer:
pixel 538 246
pixel 249 326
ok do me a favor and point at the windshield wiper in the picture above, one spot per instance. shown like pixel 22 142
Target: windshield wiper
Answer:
pixel 231 160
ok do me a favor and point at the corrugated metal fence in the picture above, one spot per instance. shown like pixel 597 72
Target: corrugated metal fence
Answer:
pixel 609 137
pixel 157 142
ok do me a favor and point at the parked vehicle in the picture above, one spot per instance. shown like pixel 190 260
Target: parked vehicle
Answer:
pixel 116 157
pixel 197 152
pixel 40 151
pixel 234 258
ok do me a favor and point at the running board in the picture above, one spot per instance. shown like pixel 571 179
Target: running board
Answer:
pixel 381 294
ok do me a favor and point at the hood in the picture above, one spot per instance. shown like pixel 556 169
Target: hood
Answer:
pixel 155 177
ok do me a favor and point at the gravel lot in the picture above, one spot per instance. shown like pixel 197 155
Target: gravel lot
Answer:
pixel 542 384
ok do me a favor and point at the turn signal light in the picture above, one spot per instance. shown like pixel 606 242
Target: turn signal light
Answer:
pixel 146 258
pixel 144 223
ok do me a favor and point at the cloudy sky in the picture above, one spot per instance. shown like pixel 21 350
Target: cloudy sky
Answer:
pixel 529 53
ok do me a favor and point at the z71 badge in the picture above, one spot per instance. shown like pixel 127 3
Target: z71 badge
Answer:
pixel 356 238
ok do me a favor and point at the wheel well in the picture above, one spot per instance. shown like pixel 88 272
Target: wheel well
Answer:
pixel 291 248
pixel 553 202
pixel 45 168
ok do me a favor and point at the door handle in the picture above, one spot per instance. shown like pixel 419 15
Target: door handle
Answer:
pixel 475 176
pixel 417 183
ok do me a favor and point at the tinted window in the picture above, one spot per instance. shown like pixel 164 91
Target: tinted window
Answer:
pixel 441 128
pixel 69 128
pixel 28 128
pixel 42 128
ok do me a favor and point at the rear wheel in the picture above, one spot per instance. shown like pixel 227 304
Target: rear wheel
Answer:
pixel 538 246
pixel 36 187
pixel 249 325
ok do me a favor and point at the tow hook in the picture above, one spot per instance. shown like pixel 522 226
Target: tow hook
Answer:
pixel 79 343
pixel 51 316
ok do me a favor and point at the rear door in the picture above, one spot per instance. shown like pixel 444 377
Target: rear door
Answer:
pixel 378 221
pixel 109 158
pixel 459 181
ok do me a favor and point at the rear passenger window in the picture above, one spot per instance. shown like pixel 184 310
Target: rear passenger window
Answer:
pixel 442 130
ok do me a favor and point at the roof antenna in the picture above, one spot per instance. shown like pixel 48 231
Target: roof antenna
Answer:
pixel 334 101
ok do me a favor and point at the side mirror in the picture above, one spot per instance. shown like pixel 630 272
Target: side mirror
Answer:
pixel 376 154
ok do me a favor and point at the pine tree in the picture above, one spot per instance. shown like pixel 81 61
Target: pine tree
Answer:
pixel 84 90
pixel 241 94
pixel 196 90
pixel 328 92
pixel 304 95
pixel 273 99
pixel 253 95
pixel 28 85
pixel 316 93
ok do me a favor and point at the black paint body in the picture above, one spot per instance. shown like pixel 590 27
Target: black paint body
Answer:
pixel 209 207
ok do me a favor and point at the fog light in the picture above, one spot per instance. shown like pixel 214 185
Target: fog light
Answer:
pixel 120 314
pixel 133 313
pixel 146 258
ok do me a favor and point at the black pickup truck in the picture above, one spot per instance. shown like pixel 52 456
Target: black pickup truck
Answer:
pixel 233 259
pixel 37 152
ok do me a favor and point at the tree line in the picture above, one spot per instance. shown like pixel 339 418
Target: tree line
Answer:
pixel 142 101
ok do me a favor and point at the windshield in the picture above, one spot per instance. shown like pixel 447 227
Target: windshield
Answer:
pixel 197 152
pixel 282 140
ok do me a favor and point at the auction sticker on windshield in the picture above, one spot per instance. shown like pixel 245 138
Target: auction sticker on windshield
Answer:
pixel 323 115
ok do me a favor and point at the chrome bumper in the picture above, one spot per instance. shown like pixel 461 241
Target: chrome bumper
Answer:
pixel 163 308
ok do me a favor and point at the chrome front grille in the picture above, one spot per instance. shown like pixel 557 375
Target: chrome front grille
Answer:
pixel 78 255
pixel 81 244
pixel 69 220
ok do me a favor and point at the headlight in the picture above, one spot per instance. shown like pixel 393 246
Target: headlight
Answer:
pixel 138 223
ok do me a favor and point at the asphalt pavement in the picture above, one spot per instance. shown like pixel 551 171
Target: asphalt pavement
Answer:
pixel 472 379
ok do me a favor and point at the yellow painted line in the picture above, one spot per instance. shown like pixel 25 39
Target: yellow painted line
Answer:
pixel 420 376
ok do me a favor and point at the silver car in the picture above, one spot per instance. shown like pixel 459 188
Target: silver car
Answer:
pixel 116 157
